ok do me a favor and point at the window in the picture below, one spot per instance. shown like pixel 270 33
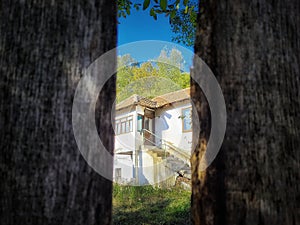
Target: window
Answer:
pixel 187 119
pixel 118 128
pixel 140 123
pixel 124 125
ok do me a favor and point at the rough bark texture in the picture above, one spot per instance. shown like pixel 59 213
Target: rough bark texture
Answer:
pixel 44 46
pixel 253 49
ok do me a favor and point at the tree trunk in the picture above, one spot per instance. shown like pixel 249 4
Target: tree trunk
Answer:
pixel 253 49
pixel 44 47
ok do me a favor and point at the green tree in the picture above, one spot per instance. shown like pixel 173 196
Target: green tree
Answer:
pixel 171 66
pixel 125 76
pixel 170 63
pixel 144 70
pixel 151 79
pixel 183 24
pixel 182 15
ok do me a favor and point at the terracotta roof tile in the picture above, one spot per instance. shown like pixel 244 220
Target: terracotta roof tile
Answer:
pixel 136 100
pixel 156 102
pixel 172 97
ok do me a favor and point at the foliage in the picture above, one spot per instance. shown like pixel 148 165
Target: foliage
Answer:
pixel 125 6
pixel 182 15
pixel 150 205
pixel 150 79
pixel 183 24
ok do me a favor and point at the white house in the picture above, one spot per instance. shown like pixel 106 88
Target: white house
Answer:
pixel 153 138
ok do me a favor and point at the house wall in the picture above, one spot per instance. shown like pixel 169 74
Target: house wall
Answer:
pixel 138 136
pixel 125 163
pixel 146 173
pixel 169 127
pixel 126 142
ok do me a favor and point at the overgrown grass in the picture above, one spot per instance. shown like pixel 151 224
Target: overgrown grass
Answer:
pixel 150 205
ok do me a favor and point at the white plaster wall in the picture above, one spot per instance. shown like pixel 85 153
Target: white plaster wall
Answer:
pixel 169 127
pixel 146 170
pixel 138 135
pixel 124 162
pixel 126 142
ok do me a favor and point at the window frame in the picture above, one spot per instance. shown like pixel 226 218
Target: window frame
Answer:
pixel 127 122
pixel 183 119
pixel 142 123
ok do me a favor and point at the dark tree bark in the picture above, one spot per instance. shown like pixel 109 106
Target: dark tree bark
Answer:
pixel 44 47
pixel 253 49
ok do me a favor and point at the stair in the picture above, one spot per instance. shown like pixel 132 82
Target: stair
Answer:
pixel 177 165
pixel 170 161
pixel 173 164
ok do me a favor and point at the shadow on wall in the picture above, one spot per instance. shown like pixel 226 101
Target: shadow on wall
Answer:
pixel 163 124
pixel 142 179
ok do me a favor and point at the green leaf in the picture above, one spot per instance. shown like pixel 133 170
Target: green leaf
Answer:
pixel 186 9
pixel 146 4
pixel 152 12
pixel 137 6
pixel 173 14
pixel 185 2
pixel 163 4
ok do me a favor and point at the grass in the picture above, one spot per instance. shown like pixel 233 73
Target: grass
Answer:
pixel 150 205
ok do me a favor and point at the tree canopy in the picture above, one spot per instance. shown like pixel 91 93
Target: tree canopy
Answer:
pixel 182 15
pixel 152 78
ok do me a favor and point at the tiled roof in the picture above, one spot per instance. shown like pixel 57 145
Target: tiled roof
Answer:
pixel 127 102
pixel 172 97
pixel 136 100
pixel 147 102
pixel 156 102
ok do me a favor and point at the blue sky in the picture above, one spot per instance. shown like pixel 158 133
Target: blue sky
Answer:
pixel 141 26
